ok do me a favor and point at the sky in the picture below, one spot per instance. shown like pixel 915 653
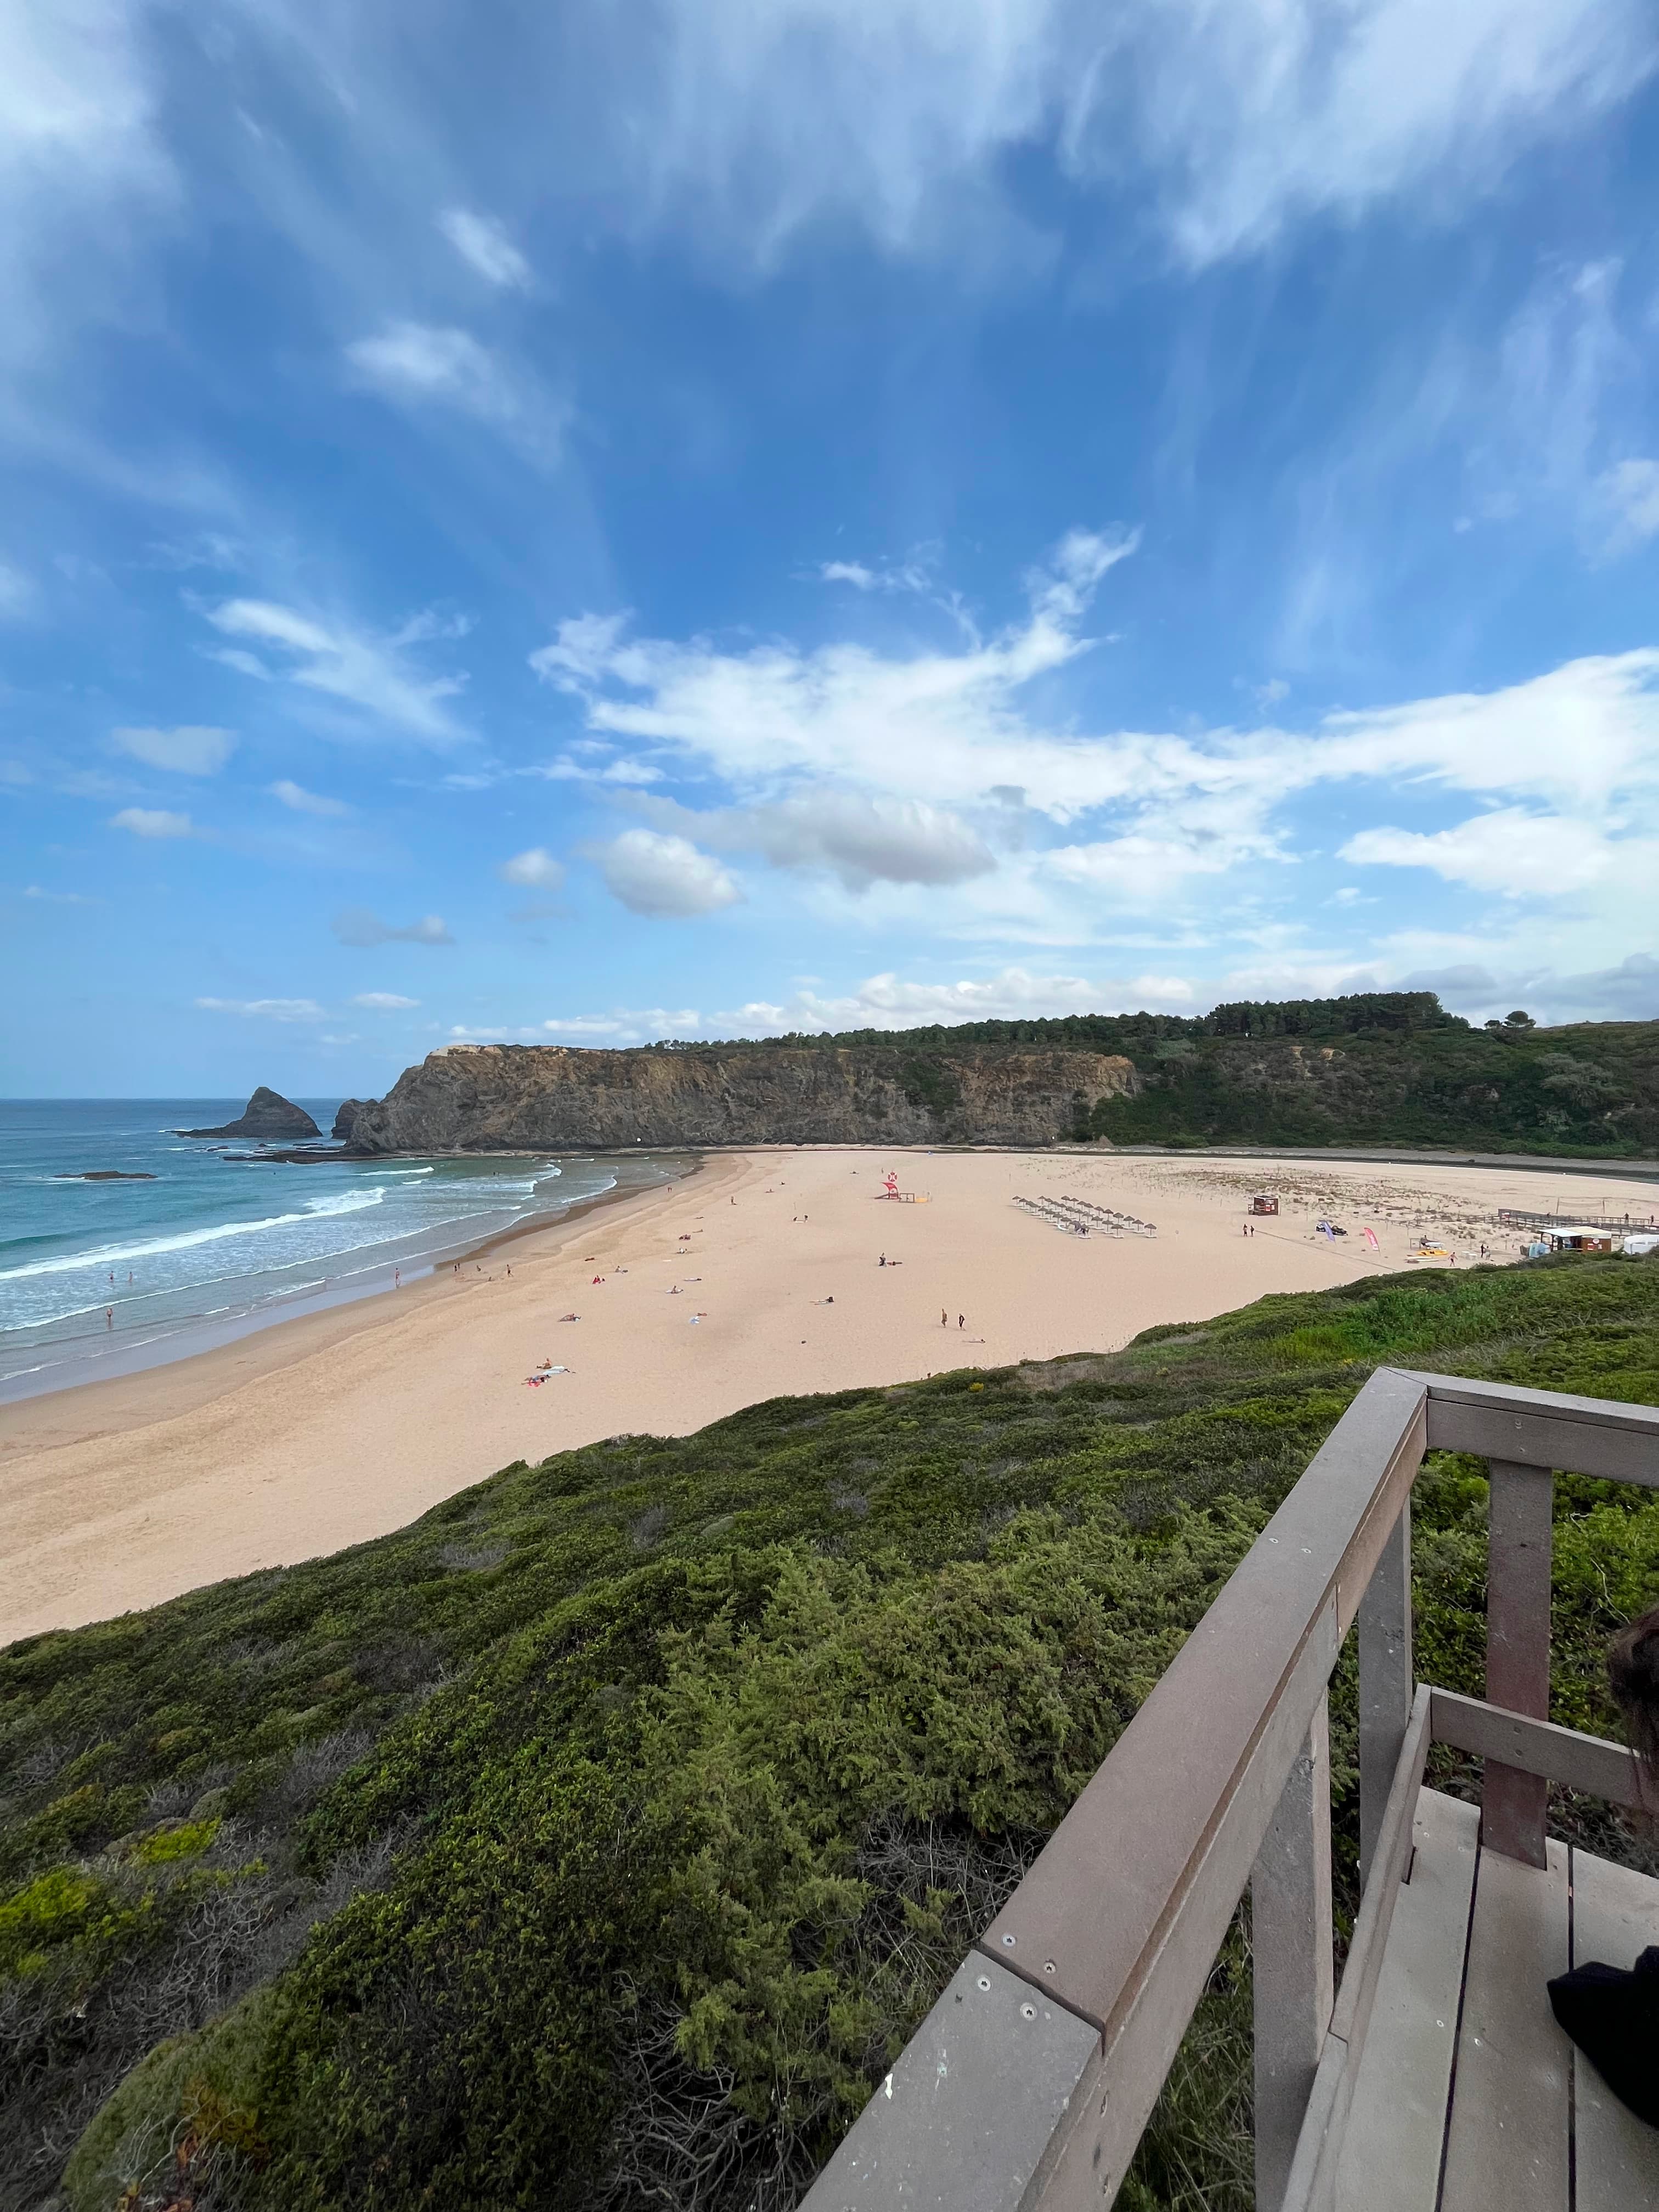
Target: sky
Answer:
pixel 580 525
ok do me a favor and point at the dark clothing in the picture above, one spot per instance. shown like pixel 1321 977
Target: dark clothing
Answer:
pixel 1613 2015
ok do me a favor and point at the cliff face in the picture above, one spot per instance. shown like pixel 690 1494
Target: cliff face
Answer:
pixel 533 1097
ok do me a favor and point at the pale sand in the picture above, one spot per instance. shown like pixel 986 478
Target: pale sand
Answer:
pixel 324 1431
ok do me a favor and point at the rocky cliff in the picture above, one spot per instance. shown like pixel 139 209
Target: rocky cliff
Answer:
pixel 469 1098
pixel 347 1115
pixel 267 1114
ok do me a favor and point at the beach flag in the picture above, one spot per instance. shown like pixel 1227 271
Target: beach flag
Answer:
pixel 1370 1238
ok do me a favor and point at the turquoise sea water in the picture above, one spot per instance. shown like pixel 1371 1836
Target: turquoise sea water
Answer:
pixel 98 1278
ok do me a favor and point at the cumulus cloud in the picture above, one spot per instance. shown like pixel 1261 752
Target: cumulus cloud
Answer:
pixel 836 755
pixel 189 749
pixel 483 244
pixel 358 925
pixel 384 1001
pixel 537 869
pixel 152 822
pixel 663 876
pixel 627 1025
pixel 1509 850
pixel 301 801
pixel 860 839
pixel 345 663
pixel 888 1002
pixel 421 364
pixel 274 1010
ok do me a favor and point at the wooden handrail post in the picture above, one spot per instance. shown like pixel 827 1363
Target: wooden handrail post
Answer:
pixel 1512 1804
pixel 1290 1926
pixel 1385 1681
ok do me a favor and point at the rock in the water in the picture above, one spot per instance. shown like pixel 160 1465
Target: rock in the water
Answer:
pixel 103 1174
pixel 349 1109
pixel 267 1116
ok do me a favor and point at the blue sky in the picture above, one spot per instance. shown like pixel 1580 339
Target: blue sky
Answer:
pixel 582 525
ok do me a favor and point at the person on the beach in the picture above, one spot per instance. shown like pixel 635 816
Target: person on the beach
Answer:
pixel 1611 2013
pixel 109 1313
pixel 962 1321
pixel 944 1318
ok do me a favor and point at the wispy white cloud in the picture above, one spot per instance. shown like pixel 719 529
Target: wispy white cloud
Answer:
pixel 424 364
pixel 301 801
pixel 384 1001
pixel 483 244
pixel 1626 496
pixel 359 926
pixel 599 769
pixel 60 899
pixel 663 876
pixel 1509 850
pixel 153 822
pixel 18 593
pixel 889 576
pixel 274 1010
pixel 369 673
pixel 188 750
pixel 1236 120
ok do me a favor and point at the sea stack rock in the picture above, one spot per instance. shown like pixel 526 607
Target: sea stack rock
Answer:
pixel 266 1115
pixel 349 1109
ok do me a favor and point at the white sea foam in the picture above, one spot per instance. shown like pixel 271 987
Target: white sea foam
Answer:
pixel 110 1256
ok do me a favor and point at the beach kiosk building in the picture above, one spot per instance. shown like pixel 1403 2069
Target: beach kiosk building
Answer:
pixel 1265 1201
pixel 1584 1238
pixel 1432 2076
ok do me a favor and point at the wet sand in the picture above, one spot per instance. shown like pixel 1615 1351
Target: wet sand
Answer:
pixel 757 1277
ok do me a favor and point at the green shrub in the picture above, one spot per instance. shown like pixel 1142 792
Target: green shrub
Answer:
pixel 629 1870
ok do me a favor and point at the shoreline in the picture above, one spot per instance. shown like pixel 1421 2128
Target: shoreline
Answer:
pixel 658 1310
pixel 100 1360
pixel 195 1377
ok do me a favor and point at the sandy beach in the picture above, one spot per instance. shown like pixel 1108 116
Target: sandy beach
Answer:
pixel 757 1277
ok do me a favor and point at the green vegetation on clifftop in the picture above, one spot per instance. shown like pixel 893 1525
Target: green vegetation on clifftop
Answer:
pixel 598 1840
pixel 1380 1067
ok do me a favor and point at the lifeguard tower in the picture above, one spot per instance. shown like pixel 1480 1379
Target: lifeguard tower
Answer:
pixel 1433 2077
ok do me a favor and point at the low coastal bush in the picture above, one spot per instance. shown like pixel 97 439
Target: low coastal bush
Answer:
pixel 599 1839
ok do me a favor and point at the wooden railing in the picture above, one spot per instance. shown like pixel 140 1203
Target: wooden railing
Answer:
pixel 1031 2080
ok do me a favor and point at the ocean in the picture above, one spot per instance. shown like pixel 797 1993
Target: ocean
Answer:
pixel 101 1277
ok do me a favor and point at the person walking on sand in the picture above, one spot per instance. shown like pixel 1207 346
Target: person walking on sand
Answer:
pixel 397 1278
pixel 962 1321
pixel 944 1318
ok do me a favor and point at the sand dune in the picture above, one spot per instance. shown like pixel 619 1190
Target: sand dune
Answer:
pixel 760 1276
